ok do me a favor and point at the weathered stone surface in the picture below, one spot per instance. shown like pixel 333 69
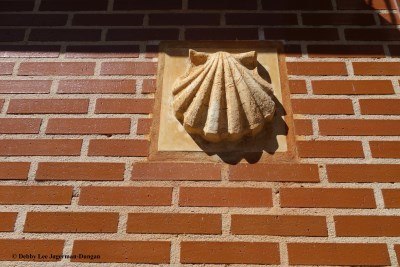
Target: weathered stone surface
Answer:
pixel 221 97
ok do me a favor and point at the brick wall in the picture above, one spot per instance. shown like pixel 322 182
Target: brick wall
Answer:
pixel 77 83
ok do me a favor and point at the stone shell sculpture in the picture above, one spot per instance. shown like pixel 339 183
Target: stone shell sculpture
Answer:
pixel 221 97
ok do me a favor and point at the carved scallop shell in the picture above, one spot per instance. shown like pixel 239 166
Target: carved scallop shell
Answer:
pixel 222 97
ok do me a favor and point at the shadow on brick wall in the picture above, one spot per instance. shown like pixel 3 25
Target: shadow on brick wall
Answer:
pixel 338 27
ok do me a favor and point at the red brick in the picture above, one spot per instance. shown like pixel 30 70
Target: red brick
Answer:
pixel 360 127
pixel 143 126
pixel 327 198
pixel 322 106
pixel 221 34
pixel 12 35
pixel 222 5
pixel 124 106
pixel 106 126
pixel 353 254
pixel 174 223
pixel 125 196
pixel 146 5
pixel 292 50
pixel 397 250
pixel 19 125
pixel 365 4
pixel 362 226
pixel 229 252
pixel 346 51
pixel 34 20
pixel 11 247
pixel 122 251
pixel 65 35
pixel 7 221
pixel 352 87
pixel 71 222
pixel 380 106
pixel 142 34
pixel 298 87
pixel 118 148
pixel 391 198
pixel 6 68
pixel 102 51
pixel 176 171
pixel 394 50
pixel 363 173
pixel 35 195
pixel 296 5
pixel 338 19
pixel 301 34
pixel 47 106
pixel 385 149
pixel 372 34
pixel 40 147
pixel 260 19
pixel 274 172
pixel 29 51
pixel 279 225
pixel 97 87
pixel 73 5
pixel 225 197
pixel 80 171
pixel 56 68
pixel 160 19
pixel 303 127
pixel 376 68
pixel 12 5
pixel 128 68
pixel 149 86
pixel 330 149
pixel 24 87
pixel 14 170
pixel 316 68
pixel 121 19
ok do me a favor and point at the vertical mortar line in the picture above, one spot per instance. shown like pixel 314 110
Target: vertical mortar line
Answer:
pixel 33 170
pixel 122 223
pixel 225 173
pixel 175 252
pixel 110 5
pixel 396 86
pixel 67 250
pixel 54 86
pixel 261 34
pixel 323 174
pixel 185 5
pixel 175 196
pixel 366 149
pixel 43 126
pixel 386 51
pixel 128 170
pixel 16 67
pixel 226 224
pixel 85 146
pixel 330 222
pixel 36 5
pixel 276 201
pixel 392 253
pixel 334 6
pixel 20 222
pixel 284 254
pixel 5 105
pixel 139 86
pixel 380 203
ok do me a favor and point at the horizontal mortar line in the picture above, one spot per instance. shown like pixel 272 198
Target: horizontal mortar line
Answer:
pixel 365 59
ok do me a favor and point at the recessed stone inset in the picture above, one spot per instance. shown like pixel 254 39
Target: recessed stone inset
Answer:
pixel 221 97
pixel 267 133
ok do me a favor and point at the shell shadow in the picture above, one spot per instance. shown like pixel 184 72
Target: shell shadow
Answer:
pixel 250 149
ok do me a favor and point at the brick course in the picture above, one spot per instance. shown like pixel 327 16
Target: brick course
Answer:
pixel 78 81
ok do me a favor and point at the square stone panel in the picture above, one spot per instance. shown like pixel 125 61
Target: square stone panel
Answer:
pixel 169 136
